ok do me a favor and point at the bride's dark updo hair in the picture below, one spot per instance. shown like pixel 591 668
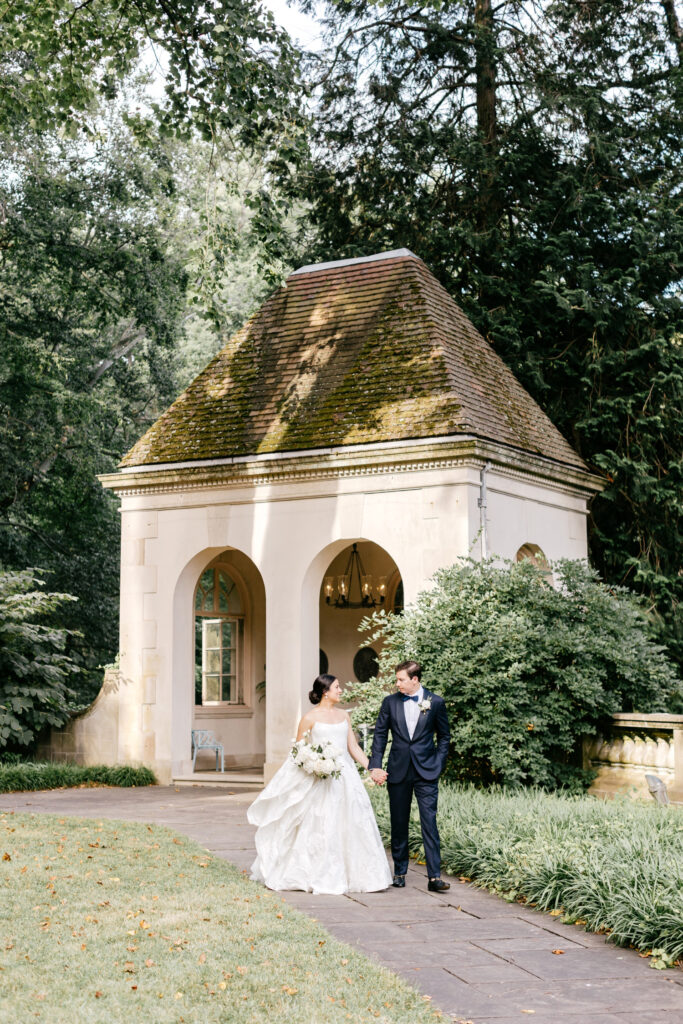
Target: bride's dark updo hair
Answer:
pixel 320 687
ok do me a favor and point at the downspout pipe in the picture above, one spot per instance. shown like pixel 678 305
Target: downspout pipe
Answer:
pixel 483 527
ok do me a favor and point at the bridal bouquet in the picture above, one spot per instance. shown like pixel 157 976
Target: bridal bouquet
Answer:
pixel 321 759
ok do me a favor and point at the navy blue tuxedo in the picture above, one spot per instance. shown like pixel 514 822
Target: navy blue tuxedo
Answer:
pixel 414 767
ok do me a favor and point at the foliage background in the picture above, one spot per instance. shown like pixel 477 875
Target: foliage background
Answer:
pixel 35 671
pixel 126 258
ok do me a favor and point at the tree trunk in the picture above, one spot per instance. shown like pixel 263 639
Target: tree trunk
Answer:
pixel 485 73
pixel 674 26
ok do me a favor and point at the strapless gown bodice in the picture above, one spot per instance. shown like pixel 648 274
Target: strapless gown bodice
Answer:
pixel 319 835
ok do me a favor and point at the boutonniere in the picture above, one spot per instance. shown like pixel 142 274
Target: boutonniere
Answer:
pixel 424 705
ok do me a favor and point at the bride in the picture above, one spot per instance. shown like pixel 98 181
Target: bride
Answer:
pixel 319 835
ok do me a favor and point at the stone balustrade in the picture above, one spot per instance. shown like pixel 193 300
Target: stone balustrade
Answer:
pixel 634 746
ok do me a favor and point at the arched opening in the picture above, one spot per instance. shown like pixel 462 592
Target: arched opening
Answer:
pixel 361 577
pixel 532 553
pixel 228 676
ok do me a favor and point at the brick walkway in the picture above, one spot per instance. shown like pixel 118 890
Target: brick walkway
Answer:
pixel 479 958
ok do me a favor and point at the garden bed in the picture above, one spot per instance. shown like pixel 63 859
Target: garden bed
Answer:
pixel 33 775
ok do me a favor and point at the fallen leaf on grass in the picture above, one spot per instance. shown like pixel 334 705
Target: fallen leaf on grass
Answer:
pixel 553 913
pixel 289 991
pixel 98 994
pixel 202 958
pixel 149 963
pixel 6 856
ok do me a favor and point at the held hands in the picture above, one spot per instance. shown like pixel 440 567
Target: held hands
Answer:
pixel 378 776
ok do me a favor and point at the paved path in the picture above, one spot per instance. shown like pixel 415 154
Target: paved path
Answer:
pixel 478 957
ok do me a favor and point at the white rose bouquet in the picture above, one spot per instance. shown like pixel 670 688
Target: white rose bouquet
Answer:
pixel 320 759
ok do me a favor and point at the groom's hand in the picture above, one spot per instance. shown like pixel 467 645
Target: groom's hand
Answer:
pixel 378 776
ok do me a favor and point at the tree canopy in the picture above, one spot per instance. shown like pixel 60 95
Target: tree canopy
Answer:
pixel 123 224
pixel 226 67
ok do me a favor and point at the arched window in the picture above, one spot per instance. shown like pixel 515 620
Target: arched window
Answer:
pixel 533 554
pixel 219 639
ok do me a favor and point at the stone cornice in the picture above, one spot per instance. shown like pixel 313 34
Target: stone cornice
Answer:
pixel 371 460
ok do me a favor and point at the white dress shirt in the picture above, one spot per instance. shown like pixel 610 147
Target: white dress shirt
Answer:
pixel 412 711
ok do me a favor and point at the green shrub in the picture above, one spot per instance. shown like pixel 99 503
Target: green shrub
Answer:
pixel 31 775
pixel 526 669
pixel 34 669
pixel 616 865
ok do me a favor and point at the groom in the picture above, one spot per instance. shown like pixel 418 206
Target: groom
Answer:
pixel 414 716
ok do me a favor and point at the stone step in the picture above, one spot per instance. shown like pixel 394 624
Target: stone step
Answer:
pixel 251 778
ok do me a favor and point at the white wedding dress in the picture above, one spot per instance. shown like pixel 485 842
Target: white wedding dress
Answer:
pixel 319 835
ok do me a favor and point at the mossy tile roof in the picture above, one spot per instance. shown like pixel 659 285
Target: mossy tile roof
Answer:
pixel 346 353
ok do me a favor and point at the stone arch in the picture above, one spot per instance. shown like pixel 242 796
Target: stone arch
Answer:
pixel 239 724
pixel 337 622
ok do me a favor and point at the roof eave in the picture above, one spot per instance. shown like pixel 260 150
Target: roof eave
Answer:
pixel 415 453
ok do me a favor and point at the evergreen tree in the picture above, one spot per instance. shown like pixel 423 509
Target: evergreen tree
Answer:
pixel 530 152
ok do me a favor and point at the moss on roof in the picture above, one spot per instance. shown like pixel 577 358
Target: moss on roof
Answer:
pixel 346 354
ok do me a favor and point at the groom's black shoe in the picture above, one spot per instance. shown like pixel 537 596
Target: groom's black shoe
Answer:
pixel 437 885
pixel 399 881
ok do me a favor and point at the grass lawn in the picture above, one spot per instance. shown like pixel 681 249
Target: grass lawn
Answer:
pixel 106 921
pixel 611 866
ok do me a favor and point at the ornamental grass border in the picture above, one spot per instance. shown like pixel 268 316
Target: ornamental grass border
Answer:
pixel 34 775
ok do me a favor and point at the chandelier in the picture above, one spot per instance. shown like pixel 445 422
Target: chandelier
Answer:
pixel 339 591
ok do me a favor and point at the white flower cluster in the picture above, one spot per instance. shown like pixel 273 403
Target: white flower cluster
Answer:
pixel 321 759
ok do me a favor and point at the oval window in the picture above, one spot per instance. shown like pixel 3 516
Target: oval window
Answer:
pixel 365 664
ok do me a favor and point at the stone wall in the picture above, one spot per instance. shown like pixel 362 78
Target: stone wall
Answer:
pixel 91 737
pixel 634 746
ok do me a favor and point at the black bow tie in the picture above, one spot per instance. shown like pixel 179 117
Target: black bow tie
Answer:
pixel 405 697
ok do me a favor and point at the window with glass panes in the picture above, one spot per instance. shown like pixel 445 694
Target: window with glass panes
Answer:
pixel 219 635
